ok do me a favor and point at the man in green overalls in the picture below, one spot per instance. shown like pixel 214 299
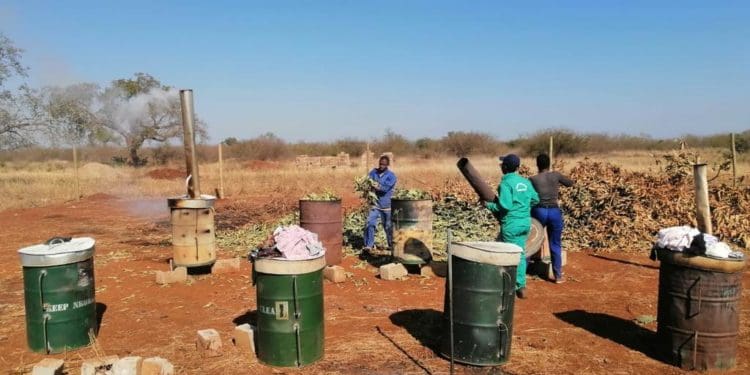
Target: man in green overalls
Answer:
pixel 516 196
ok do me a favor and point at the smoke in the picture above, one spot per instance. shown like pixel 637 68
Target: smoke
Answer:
pixel 157 107
pixel 146 208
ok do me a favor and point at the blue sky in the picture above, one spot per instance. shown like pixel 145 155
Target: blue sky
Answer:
pixel 322 70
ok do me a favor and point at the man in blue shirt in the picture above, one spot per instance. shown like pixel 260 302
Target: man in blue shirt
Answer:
pixel 385 181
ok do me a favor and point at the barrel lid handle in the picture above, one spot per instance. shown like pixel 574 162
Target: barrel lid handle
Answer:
pixel 57 240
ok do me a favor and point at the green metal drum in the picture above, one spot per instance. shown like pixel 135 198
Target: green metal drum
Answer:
pixel 58 280
pixel 484 279
pixel 290 310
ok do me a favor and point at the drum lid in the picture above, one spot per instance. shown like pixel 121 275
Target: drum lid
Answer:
pixel 57 252
pixel 495 253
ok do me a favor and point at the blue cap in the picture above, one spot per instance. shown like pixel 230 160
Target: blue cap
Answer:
pixel 511 161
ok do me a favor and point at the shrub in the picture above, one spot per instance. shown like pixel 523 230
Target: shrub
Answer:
pixel 467 143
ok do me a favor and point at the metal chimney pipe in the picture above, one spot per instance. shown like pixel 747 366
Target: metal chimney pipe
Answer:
pixel 188 126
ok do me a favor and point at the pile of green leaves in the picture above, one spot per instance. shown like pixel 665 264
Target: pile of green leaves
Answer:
pixel 326 195
pixel 467 221
pixel 241 241
pixel 413 194
pixel 354 226
pixel 365 187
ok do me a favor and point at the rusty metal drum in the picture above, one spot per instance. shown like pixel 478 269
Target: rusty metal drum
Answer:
pixel 325 219
pixel 412 230
pixel 699 310
pixel 193 235
pixel 535 239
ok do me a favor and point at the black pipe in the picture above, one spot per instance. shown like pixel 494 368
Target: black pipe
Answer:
pixel 483 190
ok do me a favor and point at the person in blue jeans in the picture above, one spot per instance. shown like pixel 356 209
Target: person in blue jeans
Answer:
pixel 385 181
pixel 547 184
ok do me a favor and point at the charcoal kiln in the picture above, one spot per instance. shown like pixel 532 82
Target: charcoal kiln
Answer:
pixel 192 215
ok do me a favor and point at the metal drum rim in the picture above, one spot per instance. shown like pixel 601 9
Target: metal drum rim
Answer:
pixel 205 201
pixel 472 253
pixel 275 266
pixel 700 263
pixel 31 259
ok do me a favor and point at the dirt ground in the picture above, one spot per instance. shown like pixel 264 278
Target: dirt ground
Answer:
pixel 372 326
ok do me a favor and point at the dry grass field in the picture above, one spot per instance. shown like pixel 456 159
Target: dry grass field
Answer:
pixel 40 184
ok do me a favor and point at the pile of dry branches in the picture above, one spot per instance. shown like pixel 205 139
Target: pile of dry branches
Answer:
pixel 616 210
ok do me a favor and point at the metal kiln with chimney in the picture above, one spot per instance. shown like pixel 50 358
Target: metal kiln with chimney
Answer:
pixel 192 215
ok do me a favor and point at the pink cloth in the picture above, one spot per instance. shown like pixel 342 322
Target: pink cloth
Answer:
pixel 297 243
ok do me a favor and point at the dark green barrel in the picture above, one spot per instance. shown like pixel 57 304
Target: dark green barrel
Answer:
pixel 699 310
pixel 290 311
pixel 59 295
pixel 412 230
pixel 484 279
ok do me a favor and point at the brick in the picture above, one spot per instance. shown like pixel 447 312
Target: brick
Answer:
pixel 335 274
pixel 179 275
pixel 244 338
pixel 393 271
pixel 48 366
pixel 156 366
pixel 208 342
pixel 127 366
pixel 98 366
pixel 226 265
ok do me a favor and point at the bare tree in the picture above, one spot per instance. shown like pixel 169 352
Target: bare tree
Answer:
pixel 141 110
pixel 71 116
pixel 132 112
pixel 19 109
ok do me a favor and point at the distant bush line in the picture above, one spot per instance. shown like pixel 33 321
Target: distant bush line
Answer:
pixel 270 147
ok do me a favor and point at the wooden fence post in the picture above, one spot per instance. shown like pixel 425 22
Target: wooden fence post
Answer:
pixel 702 208
pixel 75 168
pixel 551 150
pixel 367 158
pixel 734 162
pixel 221 173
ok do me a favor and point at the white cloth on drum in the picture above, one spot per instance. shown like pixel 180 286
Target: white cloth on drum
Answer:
pixel 296 243
pixel 676 238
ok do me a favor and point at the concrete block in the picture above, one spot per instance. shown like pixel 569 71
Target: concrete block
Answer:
pixel 393 271
pixel 208 342
pixel 48 366
pixel 179 275
pixel 156 366
pixel 98 366
pixel 226 265
pixel 244 338
pixel 127 366
pixel 334 274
